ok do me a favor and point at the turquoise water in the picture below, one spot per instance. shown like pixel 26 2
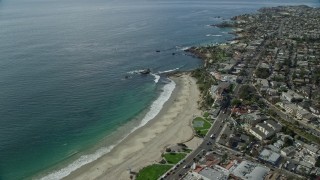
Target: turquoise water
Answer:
pixel 63 63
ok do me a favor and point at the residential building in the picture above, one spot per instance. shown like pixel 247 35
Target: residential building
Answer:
pixel 269 156
pixel 312 149
pixel 250 171
pixel 274 125
pixel 216 172
pixel 291 108
pixel 301 113
pixel 287 151
pixel 257 133
pixel 291 96
pixel 253 118
pixel 265 129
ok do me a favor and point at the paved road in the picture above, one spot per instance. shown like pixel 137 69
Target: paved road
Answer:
pixel 207 144
pixel 291 119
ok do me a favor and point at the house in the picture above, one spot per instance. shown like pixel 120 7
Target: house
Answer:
pixel 272 92
pixel 312 149
pixel 219 90
pixel 287 151
pixel 264 130
pixel 310 159
pixel 239 110
pixel 252 118
pixel 291 96
pixel 308 117
pixel 228 78
pixel 291 108
pixel 274 125
pixel 257 133
pixel 262 82
pixel 301 113
pixel 269 156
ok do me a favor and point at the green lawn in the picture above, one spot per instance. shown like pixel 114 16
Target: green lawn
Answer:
pixel 152 172
pixel 203 132
pixel 197 120
pixel 174 158
pixel 206 114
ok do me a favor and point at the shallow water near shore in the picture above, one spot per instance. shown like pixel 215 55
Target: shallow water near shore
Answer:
pixel 63 66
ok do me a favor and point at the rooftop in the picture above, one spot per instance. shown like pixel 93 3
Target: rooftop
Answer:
pixel 269 156
pixel 250 171
pixel 214 173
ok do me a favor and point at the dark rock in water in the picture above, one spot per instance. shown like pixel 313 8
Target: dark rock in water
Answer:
pixel 126 77
pixel 173 54
pixel 157 50
pixel 145 71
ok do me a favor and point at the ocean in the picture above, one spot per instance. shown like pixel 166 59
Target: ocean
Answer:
pixel 69 91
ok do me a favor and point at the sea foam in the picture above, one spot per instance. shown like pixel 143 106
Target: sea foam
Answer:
pixel 167 71
pixel 156 78
pixel 154 110
pixel 214 35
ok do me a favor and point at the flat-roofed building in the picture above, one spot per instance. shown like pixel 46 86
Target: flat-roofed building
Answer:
pixel 250 171
pixel 214 173
pixel 269 156
pixel 292 96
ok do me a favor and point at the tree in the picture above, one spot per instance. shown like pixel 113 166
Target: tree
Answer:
pixel 262 73
pixel 287 142
pixel 245 92
pixel 236 102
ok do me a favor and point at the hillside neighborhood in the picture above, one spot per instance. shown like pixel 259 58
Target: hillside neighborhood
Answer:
pixel 268 80
pixel 261 94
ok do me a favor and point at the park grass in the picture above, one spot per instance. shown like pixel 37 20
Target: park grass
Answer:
pixel 206 114
pixel 152 172
pixel 174 158
pixel 206 124
pixel 203 132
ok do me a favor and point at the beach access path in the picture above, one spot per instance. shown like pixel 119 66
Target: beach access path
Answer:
pixel 144 146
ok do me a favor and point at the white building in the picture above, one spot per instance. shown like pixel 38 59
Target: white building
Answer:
pixel 269 156
pixel 264 130
pixel 291 96
pixel 250 171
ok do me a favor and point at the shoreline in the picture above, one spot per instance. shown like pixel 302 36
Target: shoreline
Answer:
pixel 144 146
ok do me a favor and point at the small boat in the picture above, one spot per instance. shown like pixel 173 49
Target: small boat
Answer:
pixel 145 71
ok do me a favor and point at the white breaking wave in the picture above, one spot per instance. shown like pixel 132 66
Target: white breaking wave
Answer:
pixel 182 48
pixel 161 72
pixel 215 35
pixel 135 71
pixel 156 78
pixel 83 160
pixel 157 105
pixel 155 108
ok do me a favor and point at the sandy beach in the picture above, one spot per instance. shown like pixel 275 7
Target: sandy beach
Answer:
pixel 144 146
